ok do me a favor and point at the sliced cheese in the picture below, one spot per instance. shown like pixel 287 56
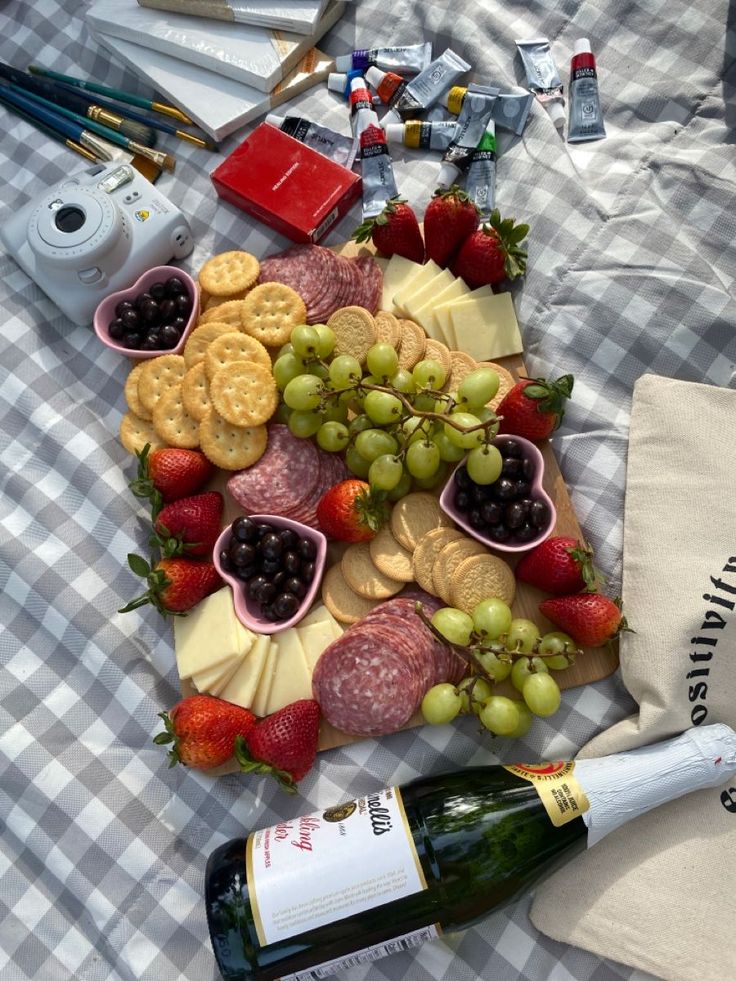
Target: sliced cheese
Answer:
pixel 413 283
pixel 424 315
pixel 396 273
pixel 426 293
pixel 315 638
pixel 209 679
pixel 443 321
pixel 317 614
pixel 293 679
pixel 209 635
pixel 487 328
pixel 243 685
pixel 260 699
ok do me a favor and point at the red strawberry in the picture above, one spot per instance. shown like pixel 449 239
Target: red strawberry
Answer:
pixel 493 253
pixel 189 526
pixel 449 219
pixel 174 585
pixel 283 744
pixel 351 512
pixel 590 619
pixel 560 565
pixel 394 232
pixel 170 473
pixel 203 730
pixel 534 407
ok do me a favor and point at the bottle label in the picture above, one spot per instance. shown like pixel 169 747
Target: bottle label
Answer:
pixel 563 797
pixel 406 941
pixel 309 871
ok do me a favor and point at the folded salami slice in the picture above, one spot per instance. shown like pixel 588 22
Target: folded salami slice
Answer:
pixel 284 478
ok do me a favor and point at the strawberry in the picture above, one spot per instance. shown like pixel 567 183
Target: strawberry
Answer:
pixel 174 585
pixel 591 619
pixel 189 526
pixel 351 512
pixel 283 744
pixel 394 232
pixel 203 730
pixel 560 565
pixel 449 219
pixel 493 253
pixel 534 407
pixel 170 473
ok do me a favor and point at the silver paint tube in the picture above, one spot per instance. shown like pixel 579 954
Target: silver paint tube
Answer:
pixel 586 116
pixel 510 110
pixel 422 134
pixel 476 112
pixel 543 78
pixel 480 183
pixel 407 59
pixel 428 87
pixel 341 149
pixel 376 168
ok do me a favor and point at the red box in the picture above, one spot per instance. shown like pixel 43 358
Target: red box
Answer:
pixel 286 185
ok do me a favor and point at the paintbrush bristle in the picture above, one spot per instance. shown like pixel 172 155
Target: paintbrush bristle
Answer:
pixel 138 132
pixel 146 168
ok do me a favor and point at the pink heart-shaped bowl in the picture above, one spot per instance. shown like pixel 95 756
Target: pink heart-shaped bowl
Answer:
pixel 105 312
pixel 461 517
pixel 248 610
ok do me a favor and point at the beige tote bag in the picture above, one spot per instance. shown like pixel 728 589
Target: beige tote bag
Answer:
pixel 659 894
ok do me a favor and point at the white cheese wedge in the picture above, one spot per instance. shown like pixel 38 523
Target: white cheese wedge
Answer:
pixel 442 320
pixel 413 284
pixel 396 273
pixel 320 614
pixel 209 635
pixel 293 679
pixel 425 293
pixel 242 686
pixel 486 328
pixel 260 699
pixel 209 679
pixel 424 315
pixel 315 638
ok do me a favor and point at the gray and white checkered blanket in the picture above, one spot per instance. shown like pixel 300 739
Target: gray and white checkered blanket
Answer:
pixel 631 268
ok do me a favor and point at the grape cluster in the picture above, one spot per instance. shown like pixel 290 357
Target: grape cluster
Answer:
pixel 498 646
pixel 155 319
pixel 398 430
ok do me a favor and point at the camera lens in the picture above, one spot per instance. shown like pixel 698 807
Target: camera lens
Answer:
pixel 70 218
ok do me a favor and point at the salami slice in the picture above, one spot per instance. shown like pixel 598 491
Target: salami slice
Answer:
pixel 372 282
pixel 285 476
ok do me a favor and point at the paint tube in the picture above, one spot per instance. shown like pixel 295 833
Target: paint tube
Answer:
pixel 510 110
pixel 421 134
pixel 408 59
pixel 475 114
pixel 334 146
pixel 543 78
pixel 427 87
pixel 586 117
pixel 376 168
pixel 480 182
pixel 388 85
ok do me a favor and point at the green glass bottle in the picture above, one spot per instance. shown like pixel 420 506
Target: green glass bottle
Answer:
pixel 314 895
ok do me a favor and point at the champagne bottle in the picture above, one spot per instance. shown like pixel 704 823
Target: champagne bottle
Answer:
pixel 314 895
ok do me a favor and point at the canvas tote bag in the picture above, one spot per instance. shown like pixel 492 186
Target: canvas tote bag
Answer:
pixel 659 894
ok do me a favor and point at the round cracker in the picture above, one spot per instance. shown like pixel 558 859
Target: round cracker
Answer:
pixel 448 560
pixel 195 391
pixel 244 393
pixel 213 302
pixel 229 273
pixel 271 311
pixel 388 330
pixel 439 352
pixel 132 397
pixel 157 375
pixel 428 548
pixel 414 515
pixel 226 312
pixel 481 577
pixel 345 605
pixel 355 331
pixel 390 558
pixel 136 432
pixel 413 344
pixel 234 346
pixel 506 382
pixel 172 421
pixel 363 577
pixel 201 338
pixel 231 447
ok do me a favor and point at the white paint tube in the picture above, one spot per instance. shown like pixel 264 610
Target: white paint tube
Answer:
pixel 510 110
pixel 586 116
pixel 422 134
pixel 427 87
pixel 407 59
pixel 341 149
pixel 543 78
pixel 480 182
pixel 475 114
pixel 376 168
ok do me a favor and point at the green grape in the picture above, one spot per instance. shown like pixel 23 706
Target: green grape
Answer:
pixel 282 414
pixel 484 464
pixel 285 349
pixel 335 411
pixel 403 382
pixel 385 472
pixel 441 704
pixel 422 459
pixel 499 715
pixel 357 464
pixel 332 436
pixel 304 340
pixel 318 370
pixel 437 478
pixel 525 720
pixel 425 403
pixel 448 451
pixel 382 360
pixel 499 670
pixel 488 415
pixel 382 407
pixel 285 368
pixel 326 343
pixel 372 443
pixel 492 618
pixel 304 424
pixel 345 370
pixel 359 424
pixel 428 374
pixel 522 635
pixel 454 625
pixel 411 429
pixel 559 662
pixel 474 690
pixel 478 388
pixel 524 668
pixel 303 393
pixel 464 440
pixel 555 642
pixel 402 488
pixel 542 694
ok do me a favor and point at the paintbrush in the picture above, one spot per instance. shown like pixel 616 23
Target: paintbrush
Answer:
pixel 161 159
pixel 73 100
pixel 50 131
pixel 133 100
pixel 97 145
